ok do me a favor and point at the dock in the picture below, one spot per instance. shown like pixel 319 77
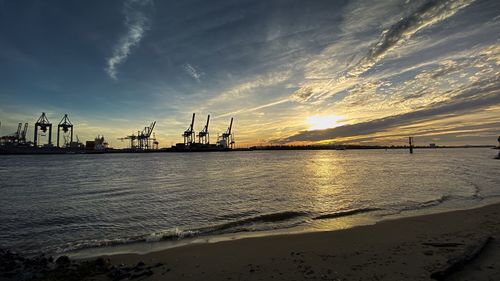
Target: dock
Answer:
pixel 140 141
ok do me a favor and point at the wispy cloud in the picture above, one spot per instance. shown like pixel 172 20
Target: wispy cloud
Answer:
pixel 246 110
pixel 428 14
pixel 248 90
pixel 137 22
pixel 192 71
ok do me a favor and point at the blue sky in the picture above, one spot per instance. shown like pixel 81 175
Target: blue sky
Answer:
pixel 288 71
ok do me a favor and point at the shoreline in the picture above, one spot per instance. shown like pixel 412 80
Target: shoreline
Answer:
pixel 9 151
pixel 315 225
pixel 412 248
pixel 455 245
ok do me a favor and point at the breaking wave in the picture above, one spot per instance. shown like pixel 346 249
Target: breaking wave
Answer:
pixel 427 204
pixel 266 218
pixel 178 234
pixel 441 200
pixel 345 213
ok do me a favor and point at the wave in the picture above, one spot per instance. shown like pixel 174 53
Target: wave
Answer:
pixel 178 234
pixel 235 216
pixel 428 204
pixel 477 191
pixel 345 213
pixel 224 227
pixel 273 217
pixel 441 200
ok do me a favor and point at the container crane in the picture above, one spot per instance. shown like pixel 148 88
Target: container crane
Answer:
pixel 204 135
pixel 43 124
pixel 65 125
pixel 17 134
pixel 15 138
pixel 132 139
pixel 24 132
pixel 22 137
pixel 144 136
pixel 155 142
pixel 189 133
pixel 226 140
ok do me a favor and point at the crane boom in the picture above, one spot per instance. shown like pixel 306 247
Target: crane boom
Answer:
pixel 192 123
pixel 23 133
pixel 151 127
pixel 230 126
pixel 18 133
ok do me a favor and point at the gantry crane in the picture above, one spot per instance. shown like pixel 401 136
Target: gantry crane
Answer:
pixel 66 126
pixel 226 140
pixel 204 135
pixel 189 133
pixel 17 134
pixel 22 137
pixel 132 139
pixel 155 142
pixel 43 124
pixel 142 138
pixel 19 137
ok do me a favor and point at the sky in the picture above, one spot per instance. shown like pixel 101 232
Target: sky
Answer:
pixel 288 71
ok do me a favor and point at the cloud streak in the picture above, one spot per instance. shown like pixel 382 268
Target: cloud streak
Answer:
pixel 428 14
pixel 247 110
pixel 193 72
pixel 477 96
pixel 137 23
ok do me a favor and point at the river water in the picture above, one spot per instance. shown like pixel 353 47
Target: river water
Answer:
pixel 63 203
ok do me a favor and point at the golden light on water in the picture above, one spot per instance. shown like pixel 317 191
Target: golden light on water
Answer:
pixel 318 122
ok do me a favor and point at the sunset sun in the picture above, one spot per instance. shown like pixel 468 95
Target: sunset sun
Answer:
pixel 318 122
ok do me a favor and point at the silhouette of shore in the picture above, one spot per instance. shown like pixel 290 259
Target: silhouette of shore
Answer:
pixel 353 146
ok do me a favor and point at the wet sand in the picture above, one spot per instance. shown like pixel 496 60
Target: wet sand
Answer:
pixel 458 245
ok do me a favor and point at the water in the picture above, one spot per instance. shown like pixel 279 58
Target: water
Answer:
pixel 61 203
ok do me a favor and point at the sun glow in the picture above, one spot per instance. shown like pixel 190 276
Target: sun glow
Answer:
pixel 318 122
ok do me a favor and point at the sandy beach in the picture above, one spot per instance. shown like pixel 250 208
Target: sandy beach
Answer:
pixel 458 245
